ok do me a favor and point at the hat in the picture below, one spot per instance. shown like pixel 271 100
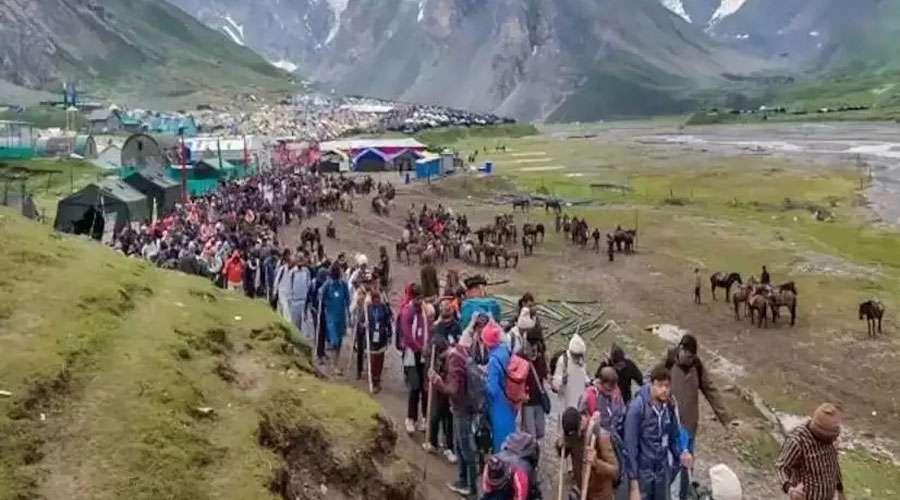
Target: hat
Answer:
pixel 491 334
pixel 498 473
pixel 826 422
pixel 475 281
pixel 571 421
pixel 616 354
pixel 576 345
pixel 361 260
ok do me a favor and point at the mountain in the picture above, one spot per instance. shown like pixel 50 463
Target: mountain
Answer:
pixel 130 48
pixel 531 59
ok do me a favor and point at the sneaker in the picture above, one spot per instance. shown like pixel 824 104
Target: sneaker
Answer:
pixel 428 448
pixel 459 489
pixel 410 426
pixel 450 456
pixel 420 425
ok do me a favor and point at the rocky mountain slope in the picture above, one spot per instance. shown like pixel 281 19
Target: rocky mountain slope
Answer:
pixel 126 47
pixel 531 59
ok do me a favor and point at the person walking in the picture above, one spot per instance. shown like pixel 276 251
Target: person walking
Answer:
pixel 689 379
pixel 334 299
pixel 358 310
pixel 533 411
pixel 282 285
pixel 234 271
pixel 599 462
pixel 414 330
pixel 569 376
pixel 501 412
pixel 627 371
pixel 431 287
pixel 764 277
pixel 439 342
pixel 477 300
pixel 697 284
pixel 463 405
pixel 603 397
pixel 379 321
pixel 299 279
pixel 652 439
pixel 808 465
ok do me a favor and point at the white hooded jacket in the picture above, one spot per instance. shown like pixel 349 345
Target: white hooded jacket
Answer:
pixel 569 377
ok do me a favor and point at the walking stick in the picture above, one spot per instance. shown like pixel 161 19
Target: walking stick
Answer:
pixel 586 467
pixel 562 460
pixel 430 399
pixel 354 325
pixel 318 320
pixel 368 350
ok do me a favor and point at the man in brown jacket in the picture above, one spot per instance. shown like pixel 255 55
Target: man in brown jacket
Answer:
pixel 689 379
pixel 429 280
pixel 603 464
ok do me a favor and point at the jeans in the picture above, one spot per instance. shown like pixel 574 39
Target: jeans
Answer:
pixel 441 419
pixel 464 444
pixel 655 485
pixel 415 380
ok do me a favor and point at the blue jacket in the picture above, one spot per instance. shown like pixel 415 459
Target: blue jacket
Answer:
pixel 501 412
pixel 650 436
pixel 335 307
pixel 482 304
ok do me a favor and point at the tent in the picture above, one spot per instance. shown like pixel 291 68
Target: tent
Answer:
pixel 333 161
pixel 145 151
pixel 405 160
pixel 100 208
pixel 157 188
pixel 370 160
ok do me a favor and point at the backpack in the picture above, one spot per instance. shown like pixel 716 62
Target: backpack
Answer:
pixel 474 386
pixel 521 451
pixel 517 371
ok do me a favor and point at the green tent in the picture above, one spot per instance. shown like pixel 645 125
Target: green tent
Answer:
pixel 89 210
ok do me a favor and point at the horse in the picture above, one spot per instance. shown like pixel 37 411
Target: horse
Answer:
pixel 507 255
pixel 789 286
pixel 757 304
pixel 624 239
pixel 527 244
pixel 379 206
pixel 722 280
pixel 490 254
pixel 873 311
pixel 523 203
pixel 556 205
pixel 741 296
pixel 783 298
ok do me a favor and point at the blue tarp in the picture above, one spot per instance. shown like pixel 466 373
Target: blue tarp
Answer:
pixel 428 168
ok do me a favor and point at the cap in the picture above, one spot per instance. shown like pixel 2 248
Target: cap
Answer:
pixel 475 281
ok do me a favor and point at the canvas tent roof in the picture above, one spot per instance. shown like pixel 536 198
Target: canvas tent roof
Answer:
pixel 117 197
pixel 356 144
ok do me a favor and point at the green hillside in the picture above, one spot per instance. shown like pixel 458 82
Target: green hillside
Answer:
pixel 125 381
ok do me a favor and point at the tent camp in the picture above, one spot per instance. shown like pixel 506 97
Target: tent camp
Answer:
pixel 91 210
pixel 158 188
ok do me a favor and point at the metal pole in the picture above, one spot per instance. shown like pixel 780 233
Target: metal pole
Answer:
pixel 181 155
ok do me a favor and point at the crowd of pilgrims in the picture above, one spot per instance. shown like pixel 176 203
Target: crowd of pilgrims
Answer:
pixel 489 380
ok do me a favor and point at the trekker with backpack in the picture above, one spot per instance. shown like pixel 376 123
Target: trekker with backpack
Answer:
pixel 439 342
pixel 652 439
pixel 503 481
pixel 500 410
pixel 414 330
pixel 477 301
pixel 600 463
pixel 379 321
pixel 604 397
pixel 463 385
pixel 521 454
pixel 689 379
pixel 569 374
pixel 538 405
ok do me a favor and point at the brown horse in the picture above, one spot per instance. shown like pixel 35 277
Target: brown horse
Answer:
pixel 756 305
pixel 741 296
pixel 723 280
pixel 873 311
pixel 507 256
pixel 624 239
pixel 783 298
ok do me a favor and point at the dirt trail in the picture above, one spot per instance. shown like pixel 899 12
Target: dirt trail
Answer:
pixel 630 299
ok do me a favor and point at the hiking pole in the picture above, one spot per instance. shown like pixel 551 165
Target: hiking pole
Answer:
pixel 430 399
pixel 586 467
pixel 318 320
pixel 368 350
pixel 562 459
pixel 354 345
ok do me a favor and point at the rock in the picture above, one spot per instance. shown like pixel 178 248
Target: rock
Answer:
pixel 5 394
pixel 204 412
pixel 323 489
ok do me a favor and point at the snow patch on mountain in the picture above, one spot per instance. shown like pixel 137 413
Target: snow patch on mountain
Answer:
pixel 285 65
pixel 337 7
pixel 678 9
pixel 726 8
pixel 234 30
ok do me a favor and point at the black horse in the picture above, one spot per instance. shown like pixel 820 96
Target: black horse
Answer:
pixel 556 205
pixel 723 280
pixel 872 311
pixel 523 203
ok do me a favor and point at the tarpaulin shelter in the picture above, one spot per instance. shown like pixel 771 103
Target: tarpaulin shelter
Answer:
pixel 158 188
pixel 370 160
pixel 92 209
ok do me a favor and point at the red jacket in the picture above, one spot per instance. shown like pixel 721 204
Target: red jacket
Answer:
pixel 234 270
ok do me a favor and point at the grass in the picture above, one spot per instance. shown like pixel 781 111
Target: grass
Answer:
pixel 40 117
pixel 108 361
pixel 456 134
pixel 48 180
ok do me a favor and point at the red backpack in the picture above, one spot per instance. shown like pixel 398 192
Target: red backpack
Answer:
pixel 517 371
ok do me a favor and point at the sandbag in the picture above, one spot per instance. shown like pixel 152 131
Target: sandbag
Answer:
pixel 725 483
